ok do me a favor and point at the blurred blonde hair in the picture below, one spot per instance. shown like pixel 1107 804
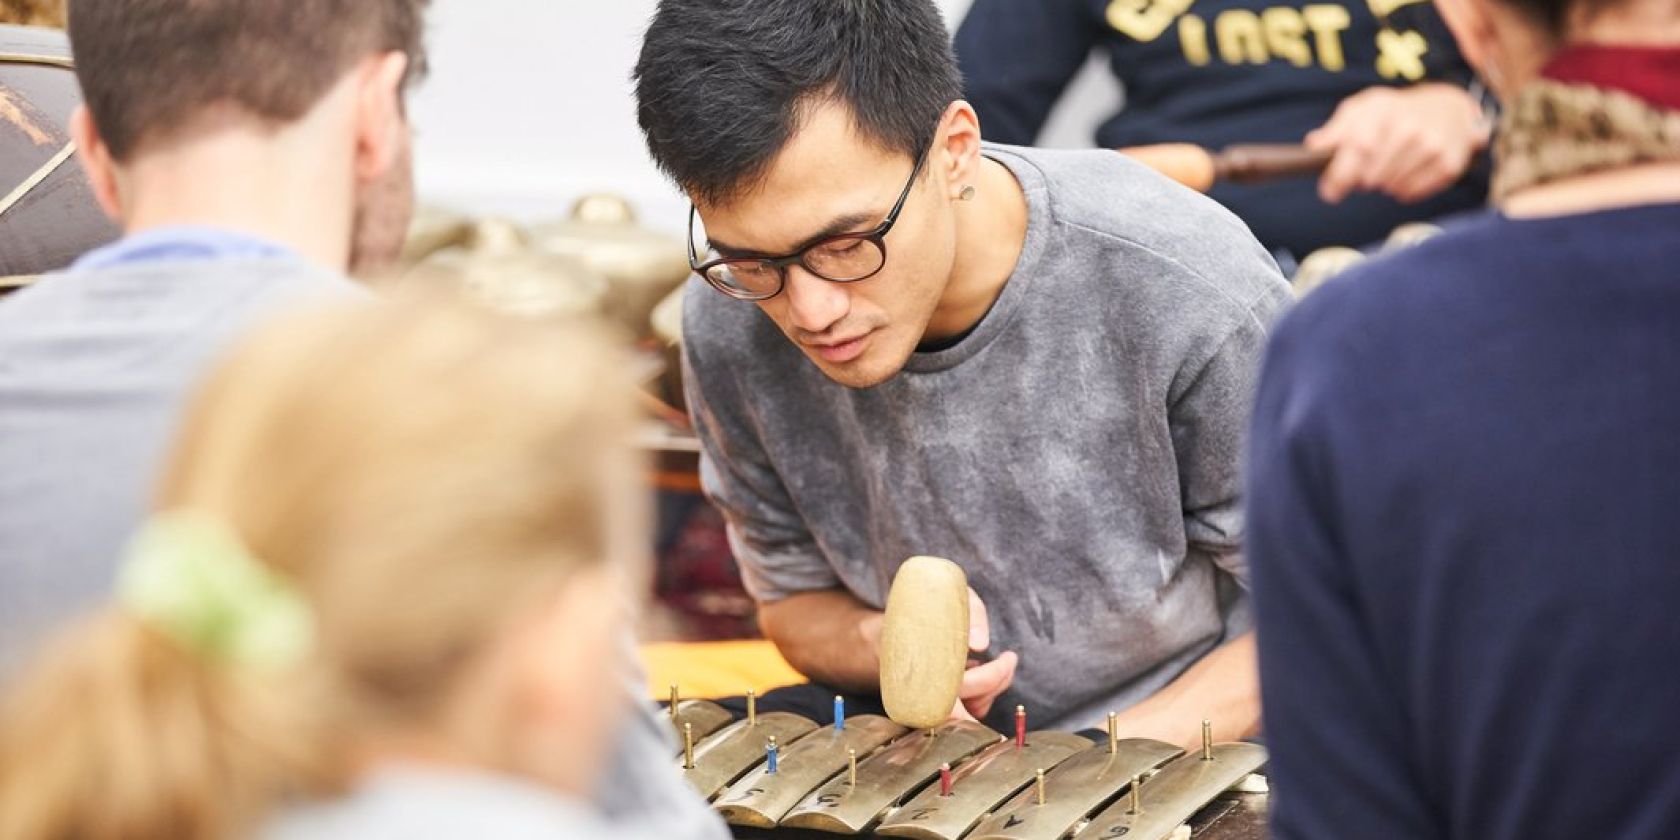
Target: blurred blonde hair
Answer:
pixel 33 12
pixel 422 472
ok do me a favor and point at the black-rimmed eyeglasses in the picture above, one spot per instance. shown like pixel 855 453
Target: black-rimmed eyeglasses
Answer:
pixel 842 258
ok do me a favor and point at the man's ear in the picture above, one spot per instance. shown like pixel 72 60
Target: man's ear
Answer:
pixel 380 120
pixel 96 161
pixel 1470 28
pixel 957 148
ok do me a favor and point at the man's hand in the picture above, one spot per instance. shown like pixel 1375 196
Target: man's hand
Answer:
pixel 983 682
pixel 833 638
pixel 1408 142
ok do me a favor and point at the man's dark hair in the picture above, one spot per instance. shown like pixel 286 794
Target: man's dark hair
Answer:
pixel 722 85
pixel 150 67
pixel 1555 15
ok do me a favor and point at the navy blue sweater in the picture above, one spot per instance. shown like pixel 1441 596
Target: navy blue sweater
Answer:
pixel 1464 524
pixel 1215 73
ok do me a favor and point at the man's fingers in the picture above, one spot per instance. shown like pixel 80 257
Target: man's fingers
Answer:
pixel 1409 143
pixel 982 684
pixel 1357 132
pixel 979 624
pixel 1330 135
pixel 1343 175
pixel 1322 138
pixel 1426 178
pixel 1396 156
pixel 989 678
pixel 960 712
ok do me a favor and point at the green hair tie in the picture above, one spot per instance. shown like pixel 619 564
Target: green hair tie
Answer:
pixel 190 576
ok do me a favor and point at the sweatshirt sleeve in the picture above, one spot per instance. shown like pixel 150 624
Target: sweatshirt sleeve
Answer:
pixel 1016 58
pixel 774 548
pixel 1208 419
pixel 1334 722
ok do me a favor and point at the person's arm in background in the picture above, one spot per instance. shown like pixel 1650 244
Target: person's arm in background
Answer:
pixel 1337 736
pixel 1409 142
pixel 1208 417
pixel 1017 56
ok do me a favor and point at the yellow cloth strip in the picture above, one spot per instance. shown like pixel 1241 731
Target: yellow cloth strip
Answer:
pixel 715 669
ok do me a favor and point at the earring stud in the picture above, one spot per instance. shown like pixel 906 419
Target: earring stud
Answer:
pixel 967 193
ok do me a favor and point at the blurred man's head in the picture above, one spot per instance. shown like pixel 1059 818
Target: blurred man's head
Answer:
pixel 1510 41
pixel 787 122
pixel 176 84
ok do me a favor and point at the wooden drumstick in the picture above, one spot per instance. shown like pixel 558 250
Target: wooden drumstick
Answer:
pixel 1245 164
pixel 1199 169
pixel 924 642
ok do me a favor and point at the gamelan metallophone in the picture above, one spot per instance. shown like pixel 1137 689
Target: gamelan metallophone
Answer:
pixel 781 775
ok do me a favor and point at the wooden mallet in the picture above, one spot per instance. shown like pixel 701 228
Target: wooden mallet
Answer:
pixel 924 642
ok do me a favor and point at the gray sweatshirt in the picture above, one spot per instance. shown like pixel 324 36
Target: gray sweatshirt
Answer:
pixel 1077 453
pixel 94 369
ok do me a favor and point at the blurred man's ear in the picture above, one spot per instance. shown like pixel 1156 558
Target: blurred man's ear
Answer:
pixel 96 161
pixel 381 125
pixel 1471 28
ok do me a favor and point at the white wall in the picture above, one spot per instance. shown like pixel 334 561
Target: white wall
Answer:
pixel 529 105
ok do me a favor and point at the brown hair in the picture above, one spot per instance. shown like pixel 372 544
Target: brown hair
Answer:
pixel 33 12
pixel 421 474
pixel 151 67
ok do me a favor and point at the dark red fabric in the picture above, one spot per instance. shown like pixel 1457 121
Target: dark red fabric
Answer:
pixel 1650 73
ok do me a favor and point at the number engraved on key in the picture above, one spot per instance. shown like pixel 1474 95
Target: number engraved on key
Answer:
pixel 747 794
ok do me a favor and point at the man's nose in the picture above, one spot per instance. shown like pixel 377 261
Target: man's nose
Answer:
pixel 815 304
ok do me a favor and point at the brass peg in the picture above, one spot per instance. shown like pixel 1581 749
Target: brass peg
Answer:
pixel 674 698
pixel 1207 740
pixel 1039 784
pixel 1113 733
pixel 752 707
pixel 688 746
pixel 1137 796
pixel 851 767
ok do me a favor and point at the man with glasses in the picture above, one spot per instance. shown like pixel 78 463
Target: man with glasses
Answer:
pixel 1037 364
